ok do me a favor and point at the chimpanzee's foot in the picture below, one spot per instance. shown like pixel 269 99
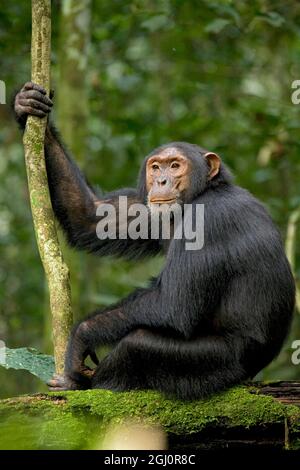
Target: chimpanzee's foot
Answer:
pixel 59 383
pixel 71 381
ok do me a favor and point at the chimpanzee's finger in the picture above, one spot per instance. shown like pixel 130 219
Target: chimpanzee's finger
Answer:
pixel 35 104
pixel 56 381
pixel 34 86
pixel 37 95
pixel 33 111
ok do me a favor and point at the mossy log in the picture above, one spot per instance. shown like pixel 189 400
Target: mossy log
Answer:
pixel 241 417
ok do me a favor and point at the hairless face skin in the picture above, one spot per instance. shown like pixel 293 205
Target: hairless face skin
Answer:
pixel 168 175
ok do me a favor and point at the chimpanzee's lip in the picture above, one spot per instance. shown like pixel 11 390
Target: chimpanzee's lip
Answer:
pixel 162 201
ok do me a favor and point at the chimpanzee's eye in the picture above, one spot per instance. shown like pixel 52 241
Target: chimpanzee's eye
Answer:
pixel 155 166
pixel 175 165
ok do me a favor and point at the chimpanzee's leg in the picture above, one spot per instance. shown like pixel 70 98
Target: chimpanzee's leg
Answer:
pixel 146 359
pixel 122 369
pixel 102 327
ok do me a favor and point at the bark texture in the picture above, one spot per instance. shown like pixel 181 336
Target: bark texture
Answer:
pixel 57 272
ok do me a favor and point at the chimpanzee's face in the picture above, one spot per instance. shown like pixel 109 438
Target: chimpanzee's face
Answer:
pixel 167 177
pixel 177 174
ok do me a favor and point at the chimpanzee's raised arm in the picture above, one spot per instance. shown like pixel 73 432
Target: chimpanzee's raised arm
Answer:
pixel 74 201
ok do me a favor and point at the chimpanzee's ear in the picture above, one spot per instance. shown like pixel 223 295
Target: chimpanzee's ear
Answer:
pixel 214 162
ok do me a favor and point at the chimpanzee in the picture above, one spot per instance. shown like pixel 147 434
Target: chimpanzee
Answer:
pixel 214 316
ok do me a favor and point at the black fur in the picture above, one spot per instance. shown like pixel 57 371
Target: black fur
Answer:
pixel 211 319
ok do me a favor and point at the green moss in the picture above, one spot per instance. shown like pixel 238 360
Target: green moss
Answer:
pixel 293 416
pixel 236 407
pixel 74 419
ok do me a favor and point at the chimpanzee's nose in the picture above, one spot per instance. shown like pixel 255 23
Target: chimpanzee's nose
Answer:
pixel 162 181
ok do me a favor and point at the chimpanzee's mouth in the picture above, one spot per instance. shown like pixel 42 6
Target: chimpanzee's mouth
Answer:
pixel 162 201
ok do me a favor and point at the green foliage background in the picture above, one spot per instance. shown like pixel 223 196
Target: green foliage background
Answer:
pixel 216 73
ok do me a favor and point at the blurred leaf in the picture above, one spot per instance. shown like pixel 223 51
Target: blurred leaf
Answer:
pixel 273 18
pixel 216 26
pixel 156 22
pixel 40 365
pixel 263 175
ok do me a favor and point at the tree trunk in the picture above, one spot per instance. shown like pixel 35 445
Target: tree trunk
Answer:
pixel 290 248
pixel 56 270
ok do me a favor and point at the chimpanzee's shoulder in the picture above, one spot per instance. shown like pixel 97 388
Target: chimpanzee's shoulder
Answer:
pixel 230 200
